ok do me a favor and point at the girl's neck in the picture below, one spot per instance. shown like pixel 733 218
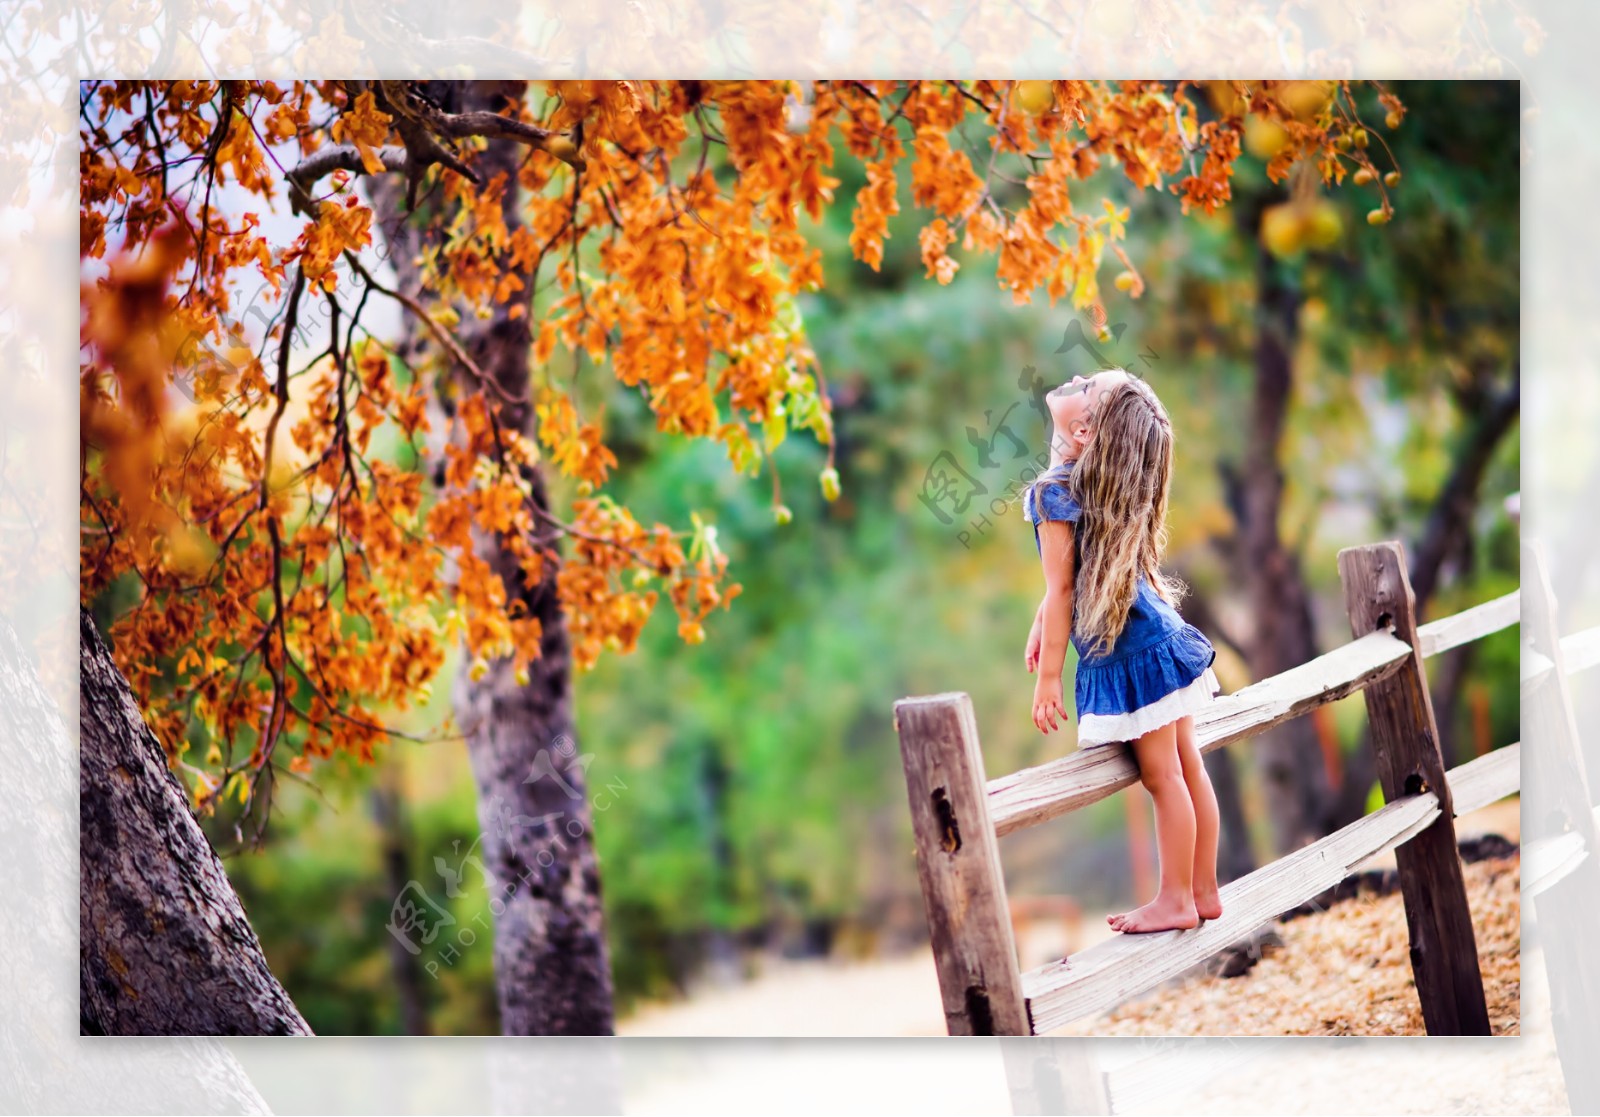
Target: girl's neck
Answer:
pixel 1058 452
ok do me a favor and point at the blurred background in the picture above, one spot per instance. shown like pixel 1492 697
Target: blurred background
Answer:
pixel 1331 384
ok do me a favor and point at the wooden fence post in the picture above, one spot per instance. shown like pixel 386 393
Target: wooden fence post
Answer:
pixel 1405 739
pixel 1055 1076
pixel 1557 803
pixel 958 860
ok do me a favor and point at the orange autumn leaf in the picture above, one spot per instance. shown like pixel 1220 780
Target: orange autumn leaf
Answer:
pixel 365 126
pixel 293 502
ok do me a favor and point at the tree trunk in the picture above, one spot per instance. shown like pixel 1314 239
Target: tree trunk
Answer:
pixel 44 1066
pixel 1289 758
pixel 164 944
pixel 1235 857
pixel 1448 679
pixel 394 835
pixel 1449 528
pixel 552 971
pixel 1446 536
pixel 1235 853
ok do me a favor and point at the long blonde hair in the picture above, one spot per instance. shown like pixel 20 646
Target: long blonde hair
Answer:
pixel 1121 480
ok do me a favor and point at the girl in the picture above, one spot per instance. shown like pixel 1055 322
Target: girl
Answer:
pixel 1099 514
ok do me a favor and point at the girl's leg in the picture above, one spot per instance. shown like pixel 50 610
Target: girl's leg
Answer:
pixel 1207 822
pixel 1161 772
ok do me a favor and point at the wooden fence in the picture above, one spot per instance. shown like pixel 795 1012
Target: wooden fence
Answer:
pixel 958 817
pixel 1561 855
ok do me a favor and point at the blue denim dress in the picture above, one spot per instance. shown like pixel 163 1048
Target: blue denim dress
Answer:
pixel 1159 669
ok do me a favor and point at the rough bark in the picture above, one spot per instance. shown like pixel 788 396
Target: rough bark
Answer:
pixel 44 1066
pixel 1288 758
pixel 552 971
pixel 165 947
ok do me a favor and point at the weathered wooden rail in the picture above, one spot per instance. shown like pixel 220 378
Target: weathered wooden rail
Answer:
pixel 958 817
pixel 1561 839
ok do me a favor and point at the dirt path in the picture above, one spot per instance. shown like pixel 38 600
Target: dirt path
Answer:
pixel 1174 1076
pixel 890 997
pixel 1341 972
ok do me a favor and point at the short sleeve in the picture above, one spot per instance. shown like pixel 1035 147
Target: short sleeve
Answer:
pixel 1055 503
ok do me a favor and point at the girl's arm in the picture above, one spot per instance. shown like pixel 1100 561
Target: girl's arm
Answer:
pixel 1055 612
pixel 1031 655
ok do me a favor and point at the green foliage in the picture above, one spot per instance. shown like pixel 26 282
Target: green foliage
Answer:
pixel 753 783
pixel 1374 797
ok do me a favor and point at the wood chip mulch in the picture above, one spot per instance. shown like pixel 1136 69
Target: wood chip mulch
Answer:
pixel 1339 972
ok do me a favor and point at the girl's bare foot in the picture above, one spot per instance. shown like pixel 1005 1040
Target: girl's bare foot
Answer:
pixel 1208 903
pixel 1164 913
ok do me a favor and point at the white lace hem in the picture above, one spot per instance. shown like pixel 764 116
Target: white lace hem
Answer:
pixel 1106 729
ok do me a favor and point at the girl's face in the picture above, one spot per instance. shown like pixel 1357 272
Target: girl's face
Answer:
pixel 1073 406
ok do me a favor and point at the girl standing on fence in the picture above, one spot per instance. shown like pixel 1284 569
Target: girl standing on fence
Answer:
pixel 1099 514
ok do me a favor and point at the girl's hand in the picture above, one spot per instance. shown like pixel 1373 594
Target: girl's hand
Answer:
pixel 1031 655
pixel 1048 712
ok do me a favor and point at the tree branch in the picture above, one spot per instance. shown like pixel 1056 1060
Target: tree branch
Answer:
pixel 442 335
pixel 421 124
pixel 342 157
pixel 1451 515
